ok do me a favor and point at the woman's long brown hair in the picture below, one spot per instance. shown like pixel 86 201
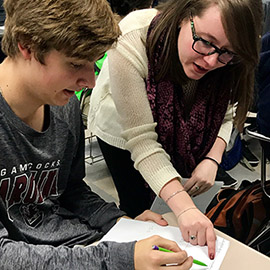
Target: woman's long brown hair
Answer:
pixel 242 22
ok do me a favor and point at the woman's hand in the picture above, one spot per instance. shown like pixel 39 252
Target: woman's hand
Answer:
pixel 145 258
pixel 202 178
pixel 149 215
pixel 197 229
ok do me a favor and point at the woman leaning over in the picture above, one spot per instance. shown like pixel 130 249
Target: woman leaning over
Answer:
pixel 167 92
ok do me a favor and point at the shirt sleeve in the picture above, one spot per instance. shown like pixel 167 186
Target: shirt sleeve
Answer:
pixel 128 72
pixel 106 255
pixel 225 130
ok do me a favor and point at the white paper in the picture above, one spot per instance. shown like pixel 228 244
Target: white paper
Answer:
pixel 127 230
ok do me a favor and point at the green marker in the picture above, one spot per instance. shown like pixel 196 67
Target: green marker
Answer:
pixel 199 263
pixel 167 250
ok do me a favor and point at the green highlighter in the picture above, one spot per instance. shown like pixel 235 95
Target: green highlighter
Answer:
pixel 167 250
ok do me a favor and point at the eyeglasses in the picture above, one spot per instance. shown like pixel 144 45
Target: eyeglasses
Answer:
pixel 204 47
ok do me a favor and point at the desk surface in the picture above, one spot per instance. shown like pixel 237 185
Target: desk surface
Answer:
pixel 238 256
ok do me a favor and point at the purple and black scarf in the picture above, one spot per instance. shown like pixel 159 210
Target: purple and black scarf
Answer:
pixel 186 139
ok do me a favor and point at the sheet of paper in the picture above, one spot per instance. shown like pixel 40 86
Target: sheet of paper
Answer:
pixel 129 230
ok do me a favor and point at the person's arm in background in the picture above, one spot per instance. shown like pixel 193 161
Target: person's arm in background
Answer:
pixel 263 92
pixel 128 71
pixel 263 84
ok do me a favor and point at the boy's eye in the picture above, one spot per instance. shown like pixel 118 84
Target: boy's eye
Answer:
pixel 76 66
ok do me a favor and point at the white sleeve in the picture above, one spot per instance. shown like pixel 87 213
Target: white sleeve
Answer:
pixel 227 124
pixel 128 72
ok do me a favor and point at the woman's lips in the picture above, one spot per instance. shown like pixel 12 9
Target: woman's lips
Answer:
pixel 199 69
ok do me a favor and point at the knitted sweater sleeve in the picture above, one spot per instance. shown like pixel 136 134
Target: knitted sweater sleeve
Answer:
pixel 227 124
pixel 128 72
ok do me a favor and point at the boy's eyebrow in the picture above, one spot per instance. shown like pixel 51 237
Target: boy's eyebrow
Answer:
pixel 76 59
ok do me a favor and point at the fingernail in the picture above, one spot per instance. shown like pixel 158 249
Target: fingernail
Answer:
pixel 212 257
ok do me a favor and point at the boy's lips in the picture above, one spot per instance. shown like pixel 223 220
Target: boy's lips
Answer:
pixel 69 93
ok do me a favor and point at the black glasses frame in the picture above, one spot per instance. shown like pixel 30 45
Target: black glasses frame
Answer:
pixel 208 43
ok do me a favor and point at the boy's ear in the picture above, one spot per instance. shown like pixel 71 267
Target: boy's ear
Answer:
pixel 25 51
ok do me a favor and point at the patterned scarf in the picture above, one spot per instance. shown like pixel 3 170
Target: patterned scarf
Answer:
pixel 186 138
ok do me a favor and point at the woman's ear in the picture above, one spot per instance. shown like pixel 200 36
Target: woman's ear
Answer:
pixel 25 51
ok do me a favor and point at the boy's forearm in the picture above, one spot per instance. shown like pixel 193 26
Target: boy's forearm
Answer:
pixel 106 255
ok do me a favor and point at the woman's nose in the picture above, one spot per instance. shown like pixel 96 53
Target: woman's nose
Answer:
pixel 212 60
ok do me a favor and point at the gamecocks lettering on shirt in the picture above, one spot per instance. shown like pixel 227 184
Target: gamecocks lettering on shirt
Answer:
pixel 27 189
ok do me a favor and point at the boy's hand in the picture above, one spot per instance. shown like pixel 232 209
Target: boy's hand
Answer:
pixel 149 215
pixel 145 258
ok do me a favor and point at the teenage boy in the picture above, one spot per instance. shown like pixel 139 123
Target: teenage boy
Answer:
pixel 45 206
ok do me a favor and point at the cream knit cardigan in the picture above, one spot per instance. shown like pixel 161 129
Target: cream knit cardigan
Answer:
pixel 119 109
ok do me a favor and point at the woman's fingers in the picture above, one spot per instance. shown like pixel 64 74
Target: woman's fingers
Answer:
pixel 193 238
pixel 197 229
pixel 211 242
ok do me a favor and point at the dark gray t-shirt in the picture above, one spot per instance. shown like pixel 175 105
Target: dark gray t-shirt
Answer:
pixel 46 199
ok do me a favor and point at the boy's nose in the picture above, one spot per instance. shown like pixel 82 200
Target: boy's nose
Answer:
pixel 88 80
